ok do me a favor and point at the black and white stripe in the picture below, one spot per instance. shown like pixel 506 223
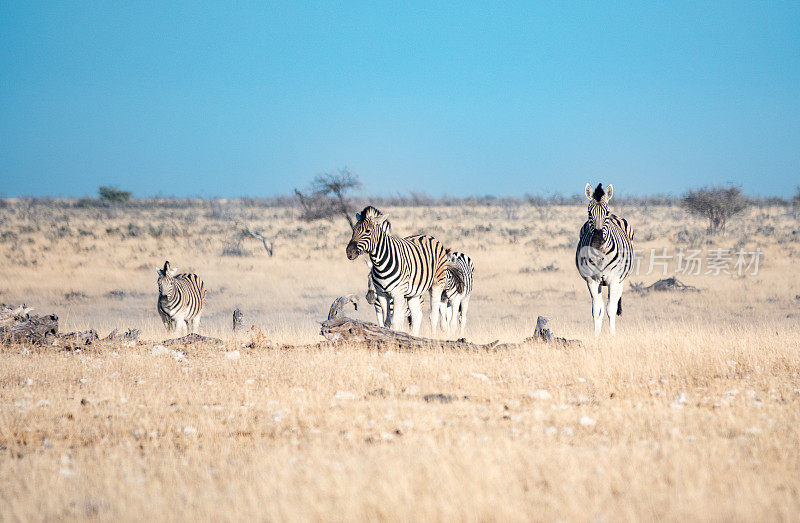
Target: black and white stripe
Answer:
pixel 402 269
pixel 457 291
pixel 604 255
pixel 181 298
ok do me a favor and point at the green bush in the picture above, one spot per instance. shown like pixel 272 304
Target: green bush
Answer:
pixel 111 194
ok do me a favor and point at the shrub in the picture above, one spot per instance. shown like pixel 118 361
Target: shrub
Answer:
pixel 111 194
pixel 717 204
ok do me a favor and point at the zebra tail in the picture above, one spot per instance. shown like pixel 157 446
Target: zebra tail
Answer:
pixel 619 307
pixel 458 276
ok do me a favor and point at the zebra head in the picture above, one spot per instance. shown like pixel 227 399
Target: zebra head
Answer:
pixel 598 211
pixel 165 280
pixel 366 232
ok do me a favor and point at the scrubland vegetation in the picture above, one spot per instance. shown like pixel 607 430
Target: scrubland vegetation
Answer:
pixel 690 412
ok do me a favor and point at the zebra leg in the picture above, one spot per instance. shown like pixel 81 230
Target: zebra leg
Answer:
pixel 597 304
pixel 453 314
pixel 444 310
pixel 436 300
pixel 382 310
pixel 416 314
pixel 195 324
pixel 462 315
pixel 614 295
pixel 398 312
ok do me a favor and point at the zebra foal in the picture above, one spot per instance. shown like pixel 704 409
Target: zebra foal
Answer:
pixel 457 291
pixel 181 298
pixel 604 256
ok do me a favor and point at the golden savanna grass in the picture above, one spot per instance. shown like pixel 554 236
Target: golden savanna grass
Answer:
pixel 691 412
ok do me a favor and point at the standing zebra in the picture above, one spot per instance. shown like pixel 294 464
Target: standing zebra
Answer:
pixel 458 288
pixel 604 255
pixel 402 269
pixel 181 298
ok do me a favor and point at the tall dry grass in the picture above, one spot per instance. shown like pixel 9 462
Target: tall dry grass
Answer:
pixel 691 412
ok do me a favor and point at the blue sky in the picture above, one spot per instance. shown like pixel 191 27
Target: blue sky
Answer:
pixel 455 98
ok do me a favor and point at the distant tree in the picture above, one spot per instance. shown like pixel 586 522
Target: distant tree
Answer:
pixel 796 198
pixel 111 194
pixel 717 204
pixel 328 196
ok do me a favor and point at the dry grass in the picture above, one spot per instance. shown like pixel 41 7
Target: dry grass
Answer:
pixel 691 412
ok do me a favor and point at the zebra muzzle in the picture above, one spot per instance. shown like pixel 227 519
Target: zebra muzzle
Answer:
pixel 352 251
pixel 597 239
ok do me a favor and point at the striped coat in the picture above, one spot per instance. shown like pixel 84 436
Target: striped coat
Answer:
pixel 181 298
pixel 604 256
pixel 403 269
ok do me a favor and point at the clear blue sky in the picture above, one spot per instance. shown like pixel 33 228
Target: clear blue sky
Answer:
pixel 465 98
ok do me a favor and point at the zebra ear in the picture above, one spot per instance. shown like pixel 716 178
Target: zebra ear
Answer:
pixel 358 216
pixel 589 191
pixel 609 191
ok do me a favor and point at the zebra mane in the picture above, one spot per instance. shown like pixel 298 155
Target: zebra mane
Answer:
pixel 599 192
pixel 370 212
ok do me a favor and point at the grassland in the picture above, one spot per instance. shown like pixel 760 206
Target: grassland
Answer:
pixel 691 412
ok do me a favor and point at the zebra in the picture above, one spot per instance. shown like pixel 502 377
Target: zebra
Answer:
pixel 402 269
pixel 458 288
pixel 604 255
pixel 181 298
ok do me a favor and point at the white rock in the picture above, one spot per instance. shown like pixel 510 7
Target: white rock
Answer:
pixel 411 389
pixel 478 375
pixel 540 394
pixel 189 430
pixel 679 401
pixel 233 355
pixel 84 380
pixel 159 350
pixel 68 473
pixel 344 395
pixel 582 380
pixel 550 431
pixel 586 421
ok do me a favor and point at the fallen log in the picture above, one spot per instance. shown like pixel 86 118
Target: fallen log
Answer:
pixel 348 330
pixel 128 335
pixel 338 328
pixel 665 284
pixel 80 337
pixel 191 338
pixel 18 325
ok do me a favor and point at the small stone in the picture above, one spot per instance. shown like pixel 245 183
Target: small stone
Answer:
pixel 550 431
pixel 233 355
pixel 587 421
pixel 158 350
pixel 344 395
pixel 540 394
pixel 189 430
pixel 679 401
pixel 478 375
